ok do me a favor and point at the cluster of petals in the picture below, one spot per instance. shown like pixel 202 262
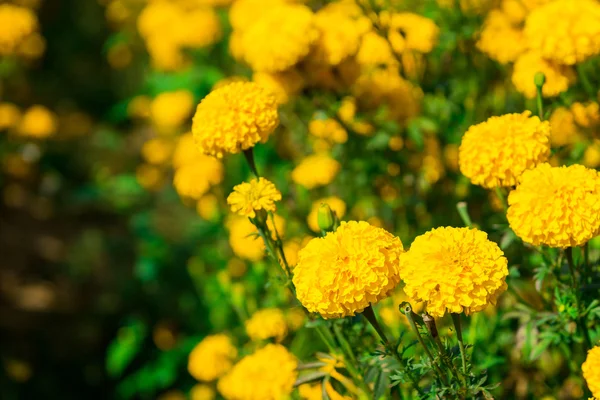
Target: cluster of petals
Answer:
pixel 267 323
pixel 249 197
pixel 212 357
pixel 591 371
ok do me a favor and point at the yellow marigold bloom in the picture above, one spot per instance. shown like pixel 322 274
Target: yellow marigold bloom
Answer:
pixel 234 118
pixel 150 177
pixel 268 374
pixel 374 51
pixel 283 85
pixel 16 24
pixel 558 77
pixel 202 392
pixel 170 110
pixel 328 129
pixel 586 115
pixel 157 151
pixel 308 391
pixel 339 38
pixel 556 206
pixel 412 32
pixel 267 323
pixel 500 39
pixel 335 203
pixel 454 270
pixel 244 239
pixel 190 35
pixel 316 170
pixel 244 13
pixel 38 122
pixel 195 179
pixel 208 207
pixel 564 129
pixel 9 115
pixel 249 197
pixel 185 151
pixel 573 34
pixel 212 357
pixel 347 270
pixel 279 38
pixel 591 156
pixel 496 152
pixel 165 53
pixel 591 371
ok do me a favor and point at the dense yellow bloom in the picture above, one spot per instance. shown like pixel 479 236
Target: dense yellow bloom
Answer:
pixel 16 24
pixel 244 13
pixel 170 110
pixel 244 239
pixel 556 206
pixel 195 179
pixel 165 54
pixel 202 392
pixel 564 129
pixel 328 129
pixel 558 77
pixel 339 38
pixel 157 150
pixel 283 85
pixel 268 374
pixel 412 32
pixel 591 371
pixel 586 115
pixel 496 152
pixel 267 323
pixel 38 122
pixel 374 51
pixel 234 118
pixel 316 170
pixel 258 194
pixel 212 357
pixel 500 39
pixel 335 203
pixel 279 38
pixel 565 31
pixel 9 115
pixel 454 270
pixel 347 270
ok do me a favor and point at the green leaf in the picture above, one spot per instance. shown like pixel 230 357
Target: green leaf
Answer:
pixel 124 347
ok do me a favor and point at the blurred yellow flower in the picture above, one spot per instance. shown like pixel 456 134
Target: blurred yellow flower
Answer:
pixel 212 357
pixel 195 179
pixel 267 323
pixel 328 129
pixel 591 156
pixel 347 270
pixel 572 37
pixel 139 107
pixel 157 151
pixel 591 370
pixel 496 152
pixel 556 206
pixel 564 131
pixel 185 151
pixel 339 36
pixel 249 197
pixel 316 170
pixel 500 39
pixel 412 32
pixel 244 13
pixel 208 207
pixel 170 110
pixel 234 118
pixel 295 318
pixel 244 239
pixel 586 115
pixel 455 270
pixel 308 391
pixel 374 51
pixel 267 374
pixel 335 203
pixel 283 85
pixel 16 24
pixel 558 77
pixel 9 115
pixel 202 392
pixel 38 122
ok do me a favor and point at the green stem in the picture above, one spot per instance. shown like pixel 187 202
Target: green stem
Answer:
pixel 249 155
pixel 502 198
pixel 588 268
pixel 461 344
pixel 580 322
pixel 279 246
pixel 540 103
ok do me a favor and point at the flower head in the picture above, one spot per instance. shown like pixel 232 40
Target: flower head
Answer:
pixel 591 371
pixel 258 194
pixel 38 122
pixel 454 270
pixel 556 206
pixel 315 170
pixel 202 392
pixel 496 152
pixel 565 31
pixel 558 77
pixel 211 358
pixel 234 118
pixel 335 203
pixel 268 374
pixel 344 272
pixel 170 110
pixel 340 36
pixel 16 24
pixel 328 129
pixel 267 323
pixel 412 32
pixel 500 39
pixel 195 179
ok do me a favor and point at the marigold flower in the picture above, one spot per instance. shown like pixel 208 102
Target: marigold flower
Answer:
pixel 328 129
pixel 157 151
pixel 170 110
pixel 558 77
pixel 374 51
pixel 16 24
pixel 234 118
pixel 454 270
pixel 267 323
pixel 38 122
pixel 573 34
pixel 244 13
pixel 268 374
pixel 195 179
pixel 315 170
pixel 335 203
pixel 283 85
pixel 9 115
pixel 564 130
pixel 347 270
pixel 412 32
pixel 500 39
pixel 556 206
pixel 279 38
pixel 211 358
pixel 258 194
pixel 586 115
pixel 202 392
pixel 339 38
pixel 591 371
pixel 185 151
pixel 496 152
pixel 591 156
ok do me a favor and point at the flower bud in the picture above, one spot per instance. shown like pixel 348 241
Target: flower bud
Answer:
pixel 539 79
pixel 325 217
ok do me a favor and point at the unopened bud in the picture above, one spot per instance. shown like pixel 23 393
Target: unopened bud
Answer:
pixel 539 79
pixel 325 217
